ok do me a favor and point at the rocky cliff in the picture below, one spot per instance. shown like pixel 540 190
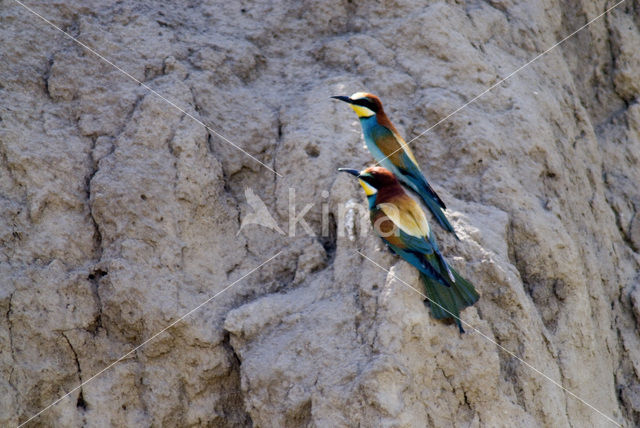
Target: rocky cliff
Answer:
pixel 120 213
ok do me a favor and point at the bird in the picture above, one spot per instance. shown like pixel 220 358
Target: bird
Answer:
pixel 390 150
pixel 402 224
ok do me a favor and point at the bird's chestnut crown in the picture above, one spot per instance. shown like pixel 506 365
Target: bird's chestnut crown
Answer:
pixel 378 177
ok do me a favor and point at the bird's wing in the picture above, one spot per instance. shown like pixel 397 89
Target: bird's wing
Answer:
pixel 421 252
pixel 393 235
pixel 415 234
pixel 392 145
pixel 406 148
pixel 419 262
pixel 388 143
pixel 406 214
pixel 413 173
pixel 388 131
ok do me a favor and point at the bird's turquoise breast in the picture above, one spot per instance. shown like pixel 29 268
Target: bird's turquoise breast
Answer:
pixel 372 201
pixel 371 128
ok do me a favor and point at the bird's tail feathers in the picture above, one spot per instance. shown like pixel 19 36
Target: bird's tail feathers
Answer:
pixel 447 302
pixel 465 290
pixel 437 262
pixel 444 266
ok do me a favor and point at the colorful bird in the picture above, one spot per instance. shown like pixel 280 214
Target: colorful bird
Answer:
pixel 391 151
pixel 403 226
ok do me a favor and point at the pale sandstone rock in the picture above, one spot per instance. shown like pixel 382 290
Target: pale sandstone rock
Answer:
pixel 119 214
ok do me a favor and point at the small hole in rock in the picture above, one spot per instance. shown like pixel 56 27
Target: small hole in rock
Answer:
pixel 312 151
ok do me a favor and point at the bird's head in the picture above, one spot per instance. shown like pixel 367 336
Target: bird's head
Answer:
pixel 373 178
pixel 363 103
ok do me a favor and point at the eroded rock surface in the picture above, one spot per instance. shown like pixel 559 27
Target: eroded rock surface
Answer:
pixel 119 214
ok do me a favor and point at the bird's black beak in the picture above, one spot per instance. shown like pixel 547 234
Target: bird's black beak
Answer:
pixel 350 171
pixel 343 98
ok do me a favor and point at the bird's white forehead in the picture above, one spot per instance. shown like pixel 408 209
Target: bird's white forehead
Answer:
pixel 358 95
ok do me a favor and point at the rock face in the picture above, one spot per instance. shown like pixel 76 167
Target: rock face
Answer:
pixel 120 213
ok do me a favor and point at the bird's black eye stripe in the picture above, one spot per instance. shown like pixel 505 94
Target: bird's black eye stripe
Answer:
pixel 366 102
pixel 366 177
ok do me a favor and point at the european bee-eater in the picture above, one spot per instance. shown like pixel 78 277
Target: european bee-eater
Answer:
pixel 403 226
pixel 391 151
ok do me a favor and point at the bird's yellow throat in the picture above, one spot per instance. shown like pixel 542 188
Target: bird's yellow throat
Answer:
pixel 368 189
pixel 362 111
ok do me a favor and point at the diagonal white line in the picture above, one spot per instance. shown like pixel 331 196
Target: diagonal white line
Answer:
pixel 503 80
pixel 147 87
pixel 149 340
pixel 493 341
